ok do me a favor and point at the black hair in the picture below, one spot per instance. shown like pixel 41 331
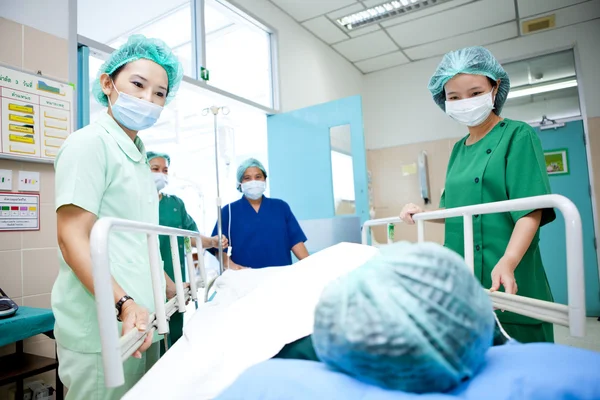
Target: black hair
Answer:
pixel 117 71
pixel 494 84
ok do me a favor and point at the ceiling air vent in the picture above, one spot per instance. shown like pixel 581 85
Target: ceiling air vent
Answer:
pixel 539 24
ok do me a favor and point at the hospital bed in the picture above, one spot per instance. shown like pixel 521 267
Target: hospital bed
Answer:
pixel 257 312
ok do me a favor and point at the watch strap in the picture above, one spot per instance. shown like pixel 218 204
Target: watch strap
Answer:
pixel 119 305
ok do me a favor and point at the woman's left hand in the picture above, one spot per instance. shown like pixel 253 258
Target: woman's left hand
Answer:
pixel 215 241
pixel 504 274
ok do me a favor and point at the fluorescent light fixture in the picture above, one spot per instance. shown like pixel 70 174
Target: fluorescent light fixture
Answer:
pixel 383 11
pixel 550 87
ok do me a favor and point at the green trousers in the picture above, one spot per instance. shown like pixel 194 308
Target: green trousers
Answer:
pixel 83 373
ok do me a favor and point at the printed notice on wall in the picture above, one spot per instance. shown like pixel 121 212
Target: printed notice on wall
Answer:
pixel 37 114
pixel 19 212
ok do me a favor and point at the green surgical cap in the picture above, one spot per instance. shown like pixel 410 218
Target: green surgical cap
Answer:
pixel 251 162
pixel 470 60
pixel 136 48
pixel 152 154
pixel 413 318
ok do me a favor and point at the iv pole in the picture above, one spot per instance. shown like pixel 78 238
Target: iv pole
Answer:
pixel 215 110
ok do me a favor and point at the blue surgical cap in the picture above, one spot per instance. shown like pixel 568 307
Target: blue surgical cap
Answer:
pixel 249 163
pixel 153 154
pixel 136 48
pixel 470 60
pixel 413 318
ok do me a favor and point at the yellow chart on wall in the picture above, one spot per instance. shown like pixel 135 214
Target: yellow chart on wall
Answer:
pixel 36 112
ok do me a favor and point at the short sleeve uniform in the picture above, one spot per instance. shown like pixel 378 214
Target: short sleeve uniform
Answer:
pixel 264 238
pixel 101 170
pixel 508 163
pixel 172 213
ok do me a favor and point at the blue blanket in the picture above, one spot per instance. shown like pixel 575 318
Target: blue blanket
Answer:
pixel 537 371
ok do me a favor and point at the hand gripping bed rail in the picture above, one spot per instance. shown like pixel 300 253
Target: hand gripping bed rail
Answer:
pixel 115 349
pixel 573 315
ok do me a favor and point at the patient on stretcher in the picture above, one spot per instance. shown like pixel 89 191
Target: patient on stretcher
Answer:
pixel 413 318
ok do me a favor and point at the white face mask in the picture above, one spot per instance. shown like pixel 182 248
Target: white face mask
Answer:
pixel 472 111
pixel 161 180
pixel 133 113
pixel 254 189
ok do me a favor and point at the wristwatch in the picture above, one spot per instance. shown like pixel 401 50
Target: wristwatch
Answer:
pixel 119 305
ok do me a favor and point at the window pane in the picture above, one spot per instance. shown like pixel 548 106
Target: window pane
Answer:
pixel 188 137
pixel 112 24
pixel 238 54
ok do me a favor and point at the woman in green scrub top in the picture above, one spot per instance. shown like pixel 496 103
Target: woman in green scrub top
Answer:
pixel 102 171
pixel 500 159
pixel 172 213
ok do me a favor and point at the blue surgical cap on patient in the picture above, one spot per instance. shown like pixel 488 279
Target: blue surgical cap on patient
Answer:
pixel 470 60
pixel 249 163
pixel 136 48
pixel 413 318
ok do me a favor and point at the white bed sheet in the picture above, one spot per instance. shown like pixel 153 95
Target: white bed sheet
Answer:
pixel 255 314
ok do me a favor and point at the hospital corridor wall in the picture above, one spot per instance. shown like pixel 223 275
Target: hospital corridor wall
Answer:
pixel 28 260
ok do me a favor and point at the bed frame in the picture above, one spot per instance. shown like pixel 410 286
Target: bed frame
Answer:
pixel 116 349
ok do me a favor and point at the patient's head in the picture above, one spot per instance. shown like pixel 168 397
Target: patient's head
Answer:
pixel 413 318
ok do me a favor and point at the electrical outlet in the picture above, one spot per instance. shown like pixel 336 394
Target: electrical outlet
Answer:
pixel 6 179
pixel 29 181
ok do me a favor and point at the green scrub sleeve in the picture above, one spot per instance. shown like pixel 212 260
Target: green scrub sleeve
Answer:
pixel 526 174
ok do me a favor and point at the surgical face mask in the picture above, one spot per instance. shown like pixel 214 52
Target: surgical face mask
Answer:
pixel 472 111
pixel 254 189
pixel 133 113
pixel 161 180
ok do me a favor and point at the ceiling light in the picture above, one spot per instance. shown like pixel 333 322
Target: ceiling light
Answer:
pixel 542 88
pixel 384 11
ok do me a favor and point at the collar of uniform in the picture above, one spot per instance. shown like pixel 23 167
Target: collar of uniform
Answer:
pixel 134 149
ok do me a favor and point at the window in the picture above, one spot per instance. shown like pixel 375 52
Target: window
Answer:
pixel 188 137
pixel 237 49
pixel 238 54
pixel 112 22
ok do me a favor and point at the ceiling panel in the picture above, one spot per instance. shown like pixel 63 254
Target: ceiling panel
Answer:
pixel 381 62
pixel 479 38
pixel 362 31
pixel 325 29
pixel 453 22
pixel 528 8
pixel 366 46
pixel 577 13
pixel 373 3
pixel 346 11
pixel 302 10
pixel 425 12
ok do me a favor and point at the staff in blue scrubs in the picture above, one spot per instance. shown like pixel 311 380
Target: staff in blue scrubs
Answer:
pixel 263 232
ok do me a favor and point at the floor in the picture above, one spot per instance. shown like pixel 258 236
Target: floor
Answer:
pixel 590 341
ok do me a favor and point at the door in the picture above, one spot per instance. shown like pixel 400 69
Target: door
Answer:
pixel 300 158
pixel 574 184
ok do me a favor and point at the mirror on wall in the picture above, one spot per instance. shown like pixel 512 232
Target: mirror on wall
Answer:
pixel 342 170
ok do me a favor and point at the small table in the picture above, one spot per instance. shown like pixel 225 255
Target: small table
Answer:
pixel 26 323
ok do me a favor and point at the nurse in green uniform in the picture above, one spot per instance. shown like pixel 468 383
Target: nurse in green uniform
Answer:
pixel 102 171
pixel 172 213
pixel 500 159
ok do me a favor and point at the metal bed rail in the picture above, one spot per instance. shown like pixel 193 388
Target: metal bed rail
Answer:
pixel 571 315
pixel 116 349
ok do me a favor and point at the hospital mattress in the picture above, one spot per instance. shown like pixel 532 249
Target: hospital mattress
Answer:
pixel 517 372
pixel 254 315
